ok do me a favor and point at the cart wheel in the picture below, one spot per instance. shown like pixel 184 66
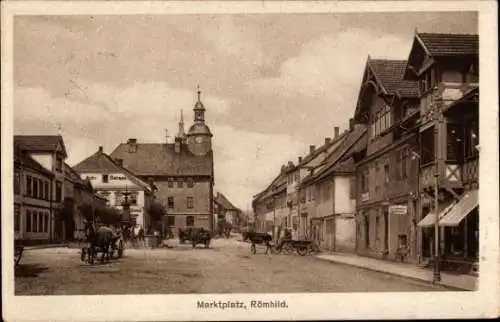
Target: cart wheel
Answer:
pixel 17 257
pixel 301 251
pixel 277 249
pixel 253 249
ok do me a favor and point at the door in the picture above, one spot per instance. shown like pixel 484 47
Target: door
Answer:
pixel 386 229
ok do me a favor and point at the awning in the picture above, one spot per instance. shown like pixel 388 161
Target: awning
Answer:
pixel 430 219
pixel 468 201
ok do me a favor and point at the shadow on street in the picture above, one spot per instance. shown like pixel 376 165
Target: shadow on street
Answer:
pixel 29 270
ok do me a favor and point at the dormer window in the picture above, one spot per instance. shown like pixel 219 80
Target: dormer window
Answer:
pixel 59 161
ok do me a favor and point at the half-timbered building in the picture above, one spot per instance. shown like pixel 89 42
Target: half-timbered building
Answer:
pixel 387 173
pixel 446 68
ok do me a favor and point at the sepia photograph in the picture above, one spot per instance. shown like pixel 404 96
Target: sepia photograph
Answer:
pixel 238 160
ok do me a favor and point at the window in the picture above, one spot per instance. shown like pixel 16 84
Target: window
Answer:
pixel 59 161
pixel 17 182
pixel 170 221
pixel 427 143
pixel 455 142
pixel 404 162
pixel 58 191
pixel 170 184
pixel 364 181
pixel 40 188
pixel 46 191
pixel 132 198
pixel 46 222
pixel 190 221
pixel 170 202
pixel 471 139
pixel 386 172
pixel 28 221
pixel 179 184
pixel 105 178
pixel 326 191
pixel 35 187
pixel 35 222
pixel 190 184
pixel 382 121
pixel 17 218
pixel 189 202
pixel 40 222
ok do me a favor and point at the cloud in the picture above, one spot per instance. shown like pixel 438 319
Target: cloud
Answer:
pixel 245 162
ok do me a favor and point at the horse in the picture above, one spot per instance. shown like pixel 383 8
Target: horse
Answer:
pixel 102 239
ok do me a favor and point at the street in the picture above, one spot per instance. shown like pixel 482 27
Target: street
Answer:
pixel 227 267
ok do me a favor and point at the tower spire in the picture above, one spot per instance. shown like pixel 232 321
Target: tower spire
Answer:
pixel 199 93
pixel 199 109
pixel 181 133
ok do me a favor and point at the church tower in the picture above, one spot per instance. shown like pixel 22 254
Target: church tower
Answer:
pixel 199 137
pixel 181 135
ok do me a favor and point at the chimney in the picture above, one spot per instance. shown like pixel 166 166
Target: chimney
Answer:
pixel 300 160
pixel 328 140
pixel 100 149
pixel 312 148
pixel 336 130
pixel 290 164
pixel 283 169
pixel 132 145
pixel 119 162
pixel 351 124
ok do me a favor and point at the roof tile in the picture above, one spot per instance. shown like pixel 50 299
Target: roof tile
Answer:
pixel 450 44
pixel 390 74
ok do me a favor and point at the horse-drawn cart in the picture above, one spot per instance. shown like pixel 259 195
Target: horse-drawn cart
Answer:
pixel 259 239
pixel 301 246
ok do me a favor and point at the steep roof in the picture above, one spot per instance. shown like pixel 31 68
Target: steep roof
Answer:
pixel 390 75
pixel 152 159
pixel 222 200
pixel 450 44
pixel 44 143
pixel 100 162
pixel 338 160
pixel 24 159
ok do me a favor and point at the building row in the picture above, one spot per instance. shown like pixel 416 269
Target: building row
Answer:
pixel 179 176
pixel 411 150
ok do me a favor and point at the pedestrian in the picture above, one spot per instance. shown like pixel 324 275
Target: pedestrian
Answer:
pixel 140 236
pixel 157 237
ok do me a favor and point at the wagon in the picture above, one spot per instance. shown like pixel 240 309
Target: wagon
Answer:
pixel 200 236
pixel 259 239
pixel 301 246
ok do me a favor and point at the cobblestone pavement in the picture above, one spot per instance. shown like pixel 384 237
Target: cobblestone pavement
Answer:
pixel 227 266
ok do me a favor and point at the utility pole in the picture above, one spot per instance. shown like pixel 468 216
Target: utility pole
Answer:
pixel 436 274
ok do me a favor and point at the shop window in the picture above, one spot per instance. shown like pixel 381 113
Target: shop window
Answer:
pixel 190 221
pixel 189 202
pixel 28 221
pixel 170 202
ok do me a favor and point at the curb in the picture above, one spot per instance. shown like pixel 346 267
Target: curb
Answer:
pixel 46 246
pixel 450 287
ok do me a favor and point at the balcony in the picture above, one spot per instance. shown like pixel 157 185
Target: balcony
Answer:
pixel 470 173
pixel 450 175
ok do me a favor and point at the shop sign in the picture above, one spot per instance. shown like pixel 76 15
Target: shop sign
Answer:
pixel 398 210
pixel 117 177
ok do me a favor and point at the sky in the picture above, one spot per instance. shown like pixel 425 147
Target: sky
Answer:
pixel 272 84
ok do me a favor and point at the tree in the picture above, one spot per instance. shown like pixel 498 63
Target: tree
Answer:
pixel 109 215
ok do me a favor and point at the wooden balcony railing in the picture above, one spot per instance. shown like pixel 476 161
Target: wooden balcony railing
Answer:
pixel 470 172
